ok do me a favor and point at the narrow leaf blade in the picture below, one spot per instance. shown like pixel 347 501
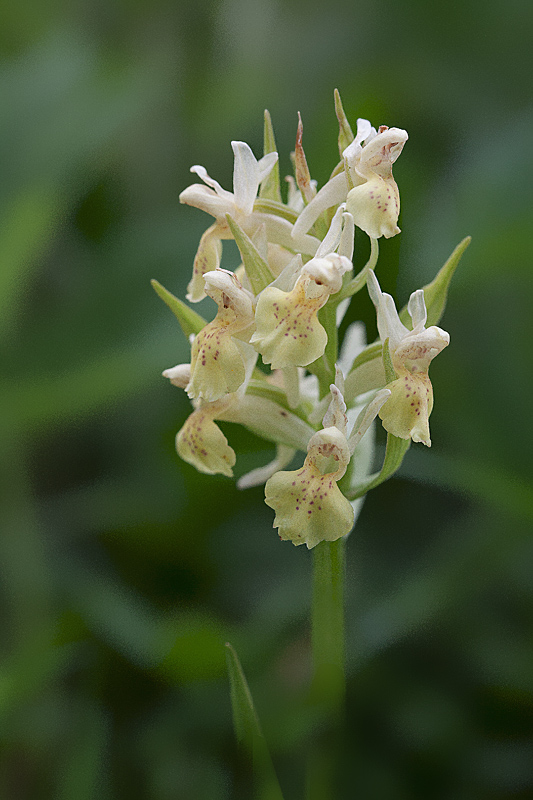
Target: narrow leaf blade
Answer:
pixel 248 729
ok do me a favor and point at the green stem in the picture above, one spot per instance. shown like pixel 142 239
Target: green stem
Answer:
pixel 328 624
pixel 329 684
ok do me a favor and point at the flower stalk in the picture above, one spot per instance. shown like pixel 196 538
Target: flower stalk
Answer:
pixel 327 634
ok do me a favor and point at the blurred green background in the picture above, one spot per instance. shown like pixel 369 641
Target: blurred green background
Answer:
pixel 123 571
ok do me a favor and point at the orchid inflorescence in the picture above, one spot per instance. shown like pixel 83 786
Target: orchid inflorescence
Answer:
pixel 283 306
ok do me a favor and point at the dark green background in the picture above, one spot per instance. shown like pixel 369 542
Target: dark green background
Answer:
pixel 123 571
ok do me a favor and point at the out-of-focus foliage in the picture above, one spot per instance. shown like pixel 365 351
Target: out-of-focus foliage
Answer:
pixel 123 570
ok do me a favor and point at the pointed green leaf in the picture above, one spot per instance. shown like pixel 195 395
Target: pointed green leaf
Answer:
pixel 345 132
pixel 190 321
pixel 248 729
pixel 394 453
pixel 245 719
pixel 436 292
pixel 256 267
pixel 270 188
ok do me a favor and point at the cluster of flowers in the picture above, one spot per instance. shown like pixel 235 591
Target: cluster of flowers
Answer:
pixel 285 303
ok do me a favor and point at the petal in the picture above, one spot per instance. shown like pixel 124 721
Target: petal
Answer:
pixel 375 206
pixel 380 153
pixel 406 412
pixel 287 278
pixel 309 506
pixel 346 243
pixel 245 177
pixel 202 173
pixel 367 416
pixel 201 443
pixel 179 375
pixel 417 350
pixel 417 310
pixel 332 238
pixel 335 416
pixel 287 328
pixel 389 325
pixel 207 200
pixel 353 151
pixel 227 291
pixel 327 272
pixel 364 129
pixel 217 367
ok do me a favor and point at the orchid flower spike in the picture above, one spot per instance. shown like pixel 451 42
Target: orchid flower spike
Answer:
pixel 296 259
pixel 406 412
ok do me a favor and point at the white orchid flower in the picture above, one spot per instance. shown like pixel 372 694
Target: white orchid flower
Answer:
pixel 310 508
pixel 288 332
pixel 406 413
pixel 368 164
pixel 248 174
